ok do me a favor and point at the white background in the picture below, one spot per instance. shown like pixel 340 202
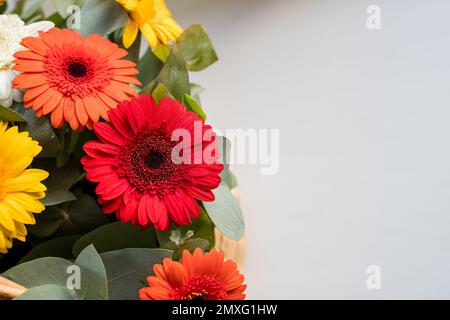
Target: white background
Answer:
pixel 364 117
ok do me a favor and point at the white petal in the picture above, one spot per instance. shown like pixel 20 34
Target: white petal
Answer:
pixel 32 29
pixel 5 85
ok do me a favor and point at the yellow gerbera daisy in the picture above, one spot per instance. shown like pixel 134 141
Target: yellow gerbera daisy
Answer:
pixel 20 188
pixel 154 20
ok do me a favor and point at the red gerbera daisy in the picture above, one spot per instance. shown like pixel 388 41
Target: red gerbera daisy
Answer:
pixel 133 163
pixel 198 277
pixel 75 79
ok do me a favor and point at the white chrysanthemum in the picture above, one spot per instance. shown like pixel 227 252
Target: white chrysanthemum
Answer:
pixel 12 31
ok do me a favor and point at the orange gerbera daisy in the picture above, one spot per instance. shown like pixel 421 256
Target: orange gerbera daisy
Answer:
pixel 75 79
pixel 198 277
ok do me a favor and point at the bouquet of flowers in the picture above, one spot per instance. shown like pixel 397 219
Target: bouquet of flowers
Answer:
pixel 112 184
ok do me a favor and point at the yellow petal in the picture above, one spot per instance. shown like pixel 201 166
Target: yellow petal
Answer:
pixel 129 34
pixel 150 35
pixel 27 179
pixel 5 219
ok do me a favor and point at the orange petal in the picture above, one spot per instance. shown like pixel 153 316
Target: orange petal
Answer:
pixel 91 107
pixel 35 44
pixel 29 80
pixel 53 102
pixel 57 117
pixel 32 93
pixel 29 55
pixel 29 66
pixel 81 111
pixel 127 79
pixel 69 109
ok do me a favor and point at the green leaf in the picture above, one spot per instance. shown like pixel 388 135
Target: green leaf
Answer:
pixel 42 271
pixel 223 145
pixel 46 292
pixel 47 222
pixel 229 179
pixel 54 197
pixel 115 236
pixel 7 114
pixel 162 52
pixel 62 5
pixel 93 15
pixel 226 213
pixel 160 92
pixel 128 269
pixel 197 48
pixel 60 247
pixel 56 19
pixel 94 285
pixel 40 130
pixel 199 228
pixel 149 67
pixel 86 214
pixel 196 90
pixel 174 74
pixel 134 50
pixel 69 141
pixel 189 245
pixel 194 106
pixel 60 180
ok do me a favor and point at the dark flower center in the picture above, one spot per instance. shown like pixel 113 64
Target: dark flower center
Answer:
pixel 154 159
pixel 146 161
pixel 77 69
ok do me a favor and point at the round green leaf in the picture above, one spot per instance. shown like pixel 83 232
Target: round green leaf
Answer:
pixel 226 213
pixel 94 13
pixel 127 270
pixel 39 272
pixel 60 247
pixel 115 236
pixel 94 285
pixel 197 48
pixel 46 292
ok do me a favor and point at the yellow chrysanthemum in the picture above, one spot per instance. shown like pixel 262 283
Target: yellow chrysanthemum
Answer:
pixel 154 20
pixel 20 188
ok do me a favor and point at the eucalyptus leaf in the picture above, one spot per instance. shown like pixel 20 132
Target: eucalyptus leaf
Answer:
pixel 86 214
pixel 94 285
pixel 42 271
pixel 60 247
pixel 199 228
pixel 162 52
pixel 47 222
pixel 128 269
pixel 196 91
pixel 174 74
pixel 115 236
pixel 46 292
pixel 54 197
pixel 42 131
pixel 197 48
pixel 149 67
pixel 189 245
pixel 160 92
pixel 226 213
pixel 229 179
pixel 93 15
pixel 7 114
pixel 194 106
